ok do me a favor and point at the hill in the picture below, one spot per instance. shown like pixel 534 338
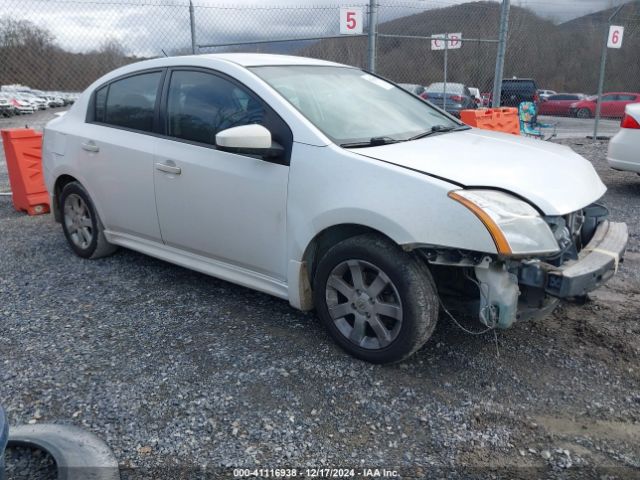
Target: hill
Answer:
pixel 562 57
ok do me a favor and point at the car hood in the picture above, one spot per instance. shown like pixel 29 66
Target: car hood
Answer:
pixel 553 177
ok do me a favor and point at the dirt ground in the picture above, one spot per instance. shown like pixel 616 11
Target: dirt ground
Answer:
pixel 187 376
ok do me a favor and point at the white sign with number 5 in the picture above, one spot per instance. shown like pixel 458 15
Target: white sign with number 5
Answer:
pixel 351 20
pixel 615 36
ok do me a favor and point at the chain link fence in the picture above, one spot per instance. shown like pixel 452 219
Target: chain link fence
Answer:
pixel 64 45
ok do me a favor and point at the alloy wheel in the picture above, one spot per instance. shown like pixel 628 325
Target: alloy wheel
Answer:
pixel 77 220
pixel 364 304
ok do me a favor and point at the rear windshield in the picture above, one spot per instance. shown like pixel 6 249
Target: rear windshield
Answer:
pixel 451 88
pixel 518 85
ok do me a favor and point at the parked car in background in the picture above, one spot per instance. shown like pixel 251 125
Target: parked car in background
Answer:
pixel 22 105
pixel 413 88
pixel 518 90
pixel 545 94
pixel 6 107
pixel 559 104
pixel 624 147
pixel 36 102
pixel 331 188
pixel 612 105
pixel 475 93
pixel 458 97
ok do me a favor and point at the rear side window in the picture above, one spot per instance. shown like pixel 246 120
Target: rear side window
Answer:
pixel 609 98
pixel 627 98
pixel 130 102
pixel 101 98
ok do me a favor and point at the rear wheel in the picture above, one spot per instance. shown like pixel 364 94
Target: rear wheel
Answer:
pixel 584 113
pixel 378 302
pixel 81 225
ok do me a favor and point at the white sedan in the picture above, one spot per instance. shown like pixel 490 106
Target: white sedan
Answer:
pixel 331 188
pixel 624 147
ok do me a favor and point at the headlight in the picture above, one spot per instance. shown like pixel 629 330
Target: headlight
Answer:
pixel 515 226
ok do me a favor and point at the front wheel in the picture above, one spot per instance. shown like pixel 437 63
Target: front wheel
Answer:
pixel 584 113
pixel 378 302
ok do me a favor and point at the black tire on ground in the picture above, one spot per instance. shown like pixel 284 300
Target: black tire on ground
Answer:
pixel 583 113
pixel 94 245
pixel 408 288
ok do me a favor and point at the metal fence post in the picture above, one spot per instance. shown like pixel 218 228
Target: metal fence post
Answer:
pixel 502 47
pixel 192 22
pixel 446 61
pixel 603 66
pixel 373 27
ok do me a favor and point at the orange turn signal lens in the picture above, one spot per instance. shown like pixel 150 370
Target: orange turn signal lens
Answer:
pixel 502 245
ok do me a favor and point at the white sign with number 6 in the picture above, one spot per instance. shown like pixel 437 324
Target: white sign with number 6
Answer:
pixel 615 37
pixel 351 20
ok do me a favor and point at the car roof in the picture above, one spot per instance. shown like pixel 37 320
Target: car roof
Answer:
pixel 263 59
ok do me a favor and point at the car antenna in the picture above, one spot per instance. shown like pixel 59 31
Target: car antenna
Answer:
pixel 163 52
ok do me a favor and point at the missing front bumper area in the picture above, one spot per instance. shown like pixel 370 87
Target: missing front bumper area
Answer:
pixel 511 289
pixel 597 262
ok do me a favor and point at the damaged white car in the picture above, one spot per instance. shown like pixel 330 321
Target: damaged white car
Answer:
pixel 329 187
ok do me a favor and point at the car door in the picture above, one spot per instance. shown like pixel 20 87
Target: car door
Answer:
pixel 225 206
pixel 562 104
pixel 116 152
pixel 623 101
pixel 609 105
pixel 550 105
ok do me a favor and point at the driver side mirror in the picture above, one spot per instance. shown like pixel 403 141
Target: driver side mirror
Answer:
pixel 249 140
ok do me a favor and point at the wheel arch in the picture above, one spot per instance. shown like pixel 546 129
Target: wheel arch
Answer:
pixel 59 184
pixel 301 272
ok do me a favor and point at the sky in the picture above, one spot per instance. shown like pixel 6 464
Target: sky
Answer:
pixel 145 27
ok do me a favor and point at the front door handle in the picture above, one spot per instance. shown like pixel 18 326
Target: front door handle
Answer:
pixel 90 147
pixel 163 167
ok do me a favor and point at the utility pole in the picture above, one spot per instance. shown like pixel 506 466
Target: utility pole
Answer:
pixel 502 48
pixel 603 65
pixel 192 22
pixel 373 27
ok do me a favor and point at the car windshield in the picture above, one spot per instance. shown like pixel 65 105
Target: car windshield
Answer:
pixel 351 106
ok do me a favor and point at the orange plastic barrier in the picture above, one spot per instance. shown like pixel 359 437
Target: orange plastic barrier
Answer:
pixel 23 151
pixel 497 119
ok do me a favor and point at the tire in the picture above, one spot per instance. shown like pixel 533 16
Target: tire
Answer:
pixel 583 113
pixel 393 281
pixel 81 225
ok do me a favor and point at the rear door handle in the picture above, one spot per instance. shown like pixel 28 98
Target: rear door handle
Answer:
pixel 90 147
pixel 163 167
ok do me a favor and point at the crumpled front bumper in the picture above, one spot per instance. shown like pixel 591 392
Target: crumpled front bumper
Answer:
pixel 597 262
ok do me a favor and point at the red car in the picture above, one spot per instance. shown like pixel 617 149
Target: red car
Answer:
pixel 612 105
pixel 559 104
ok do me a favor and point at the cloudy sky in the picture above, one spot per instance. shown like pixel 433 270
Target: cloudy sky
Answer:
pixel 145 27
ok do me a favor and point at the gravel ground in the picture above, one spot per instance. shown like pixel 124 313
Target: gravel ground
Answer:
pixel 185 375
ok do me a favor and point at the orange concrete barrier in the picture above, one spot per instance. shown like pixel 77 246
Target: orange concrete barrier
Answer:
pixel 497 119
pixel 23 151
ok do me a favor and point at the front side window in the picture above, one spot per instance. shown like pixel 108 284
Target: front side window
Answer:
pixel 201 104
pixel 349 105
pixel 130 102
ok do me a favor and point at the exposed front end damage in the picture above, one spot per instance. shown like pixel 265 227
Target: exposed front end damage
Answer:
pixel 502 289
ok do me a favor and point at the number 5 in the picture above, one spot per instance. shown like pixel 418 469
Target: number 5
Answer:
pixel 351 20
